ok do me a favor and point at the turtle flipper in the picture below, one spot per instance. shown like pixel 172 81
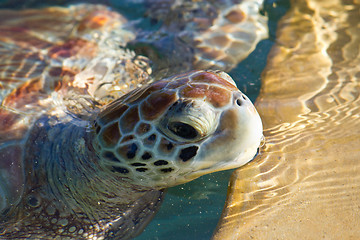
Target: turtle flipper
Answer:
pixel 138 216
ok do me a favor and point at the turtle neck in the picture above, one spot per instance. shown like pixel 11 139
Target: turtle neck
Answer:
pixel 66 167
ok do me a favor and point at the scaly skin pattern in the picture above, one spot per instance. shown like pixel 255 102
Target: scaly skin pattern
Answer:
pixel 102 177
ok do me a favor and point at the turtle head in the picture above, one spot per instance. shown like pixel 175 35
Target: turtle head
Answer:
pixel 178 129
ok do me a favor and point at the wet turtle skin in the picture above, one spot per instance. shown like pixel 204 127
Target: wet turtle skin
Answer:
pixel 87 142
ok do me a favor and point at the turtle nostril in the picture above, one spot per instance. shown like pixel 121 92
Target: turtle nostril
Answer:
pixel 239 102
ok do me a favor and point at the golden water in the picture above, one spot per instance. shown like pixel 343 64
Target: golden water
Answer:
pixel 306 182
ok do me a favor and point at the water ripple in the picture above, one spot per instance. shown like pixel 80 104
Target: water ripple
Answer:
pixel 306 181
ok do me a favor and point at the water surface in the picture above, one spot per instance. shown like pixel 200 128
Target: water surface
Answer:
pixel 192 211
pixel 305 184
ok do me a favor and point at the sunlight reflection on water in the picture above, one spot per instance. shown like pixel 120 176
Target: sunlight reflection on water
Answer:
pixel 305 184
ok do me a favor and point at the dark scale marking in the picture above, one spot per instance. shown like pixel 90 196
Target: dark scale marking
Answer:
pixel 127 152
pixel 165 146
pixel 188 153
pixel 138 164
pixel 161 163
pixel 132 151
pixel 110 156
pixel 33 201
pixel 169 146
pixel 150 140
pixel 167 170
pixel 146 156
pixel 152 137
pixel 120 169
pixel 141 169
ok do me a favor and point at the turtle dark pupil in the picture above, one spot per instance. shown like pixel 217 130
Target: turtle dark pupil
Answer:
pixel 183 130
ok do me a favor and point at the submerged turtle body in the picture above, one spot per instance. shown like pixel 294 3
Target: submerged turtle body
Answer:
pixel 86 148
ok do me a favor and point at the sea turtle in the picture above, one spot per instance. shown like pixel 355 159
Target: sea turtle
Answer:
pixel 89 140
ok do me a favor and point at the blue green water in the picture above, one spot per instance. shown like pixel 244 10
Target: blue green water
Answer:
pixel 192 210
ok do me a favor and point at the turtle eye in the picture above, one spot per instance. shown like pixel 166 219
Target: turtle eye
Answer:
pixel 183 130
pixel 188 120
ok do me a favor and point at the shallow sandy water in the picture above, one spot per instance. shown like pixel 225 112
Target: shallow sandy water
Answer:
pixel 306 182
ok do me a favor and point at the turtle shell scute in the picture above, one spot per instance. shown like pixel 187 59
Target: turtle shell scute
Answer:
pixel 111 135
pixel 211 78
pixel 129 119
pixel 142 93
pixel 112 112
pixel 156 104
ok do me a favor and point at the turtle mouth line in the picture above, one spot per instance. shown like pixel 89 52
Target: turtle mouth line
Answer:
pixel 221 166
